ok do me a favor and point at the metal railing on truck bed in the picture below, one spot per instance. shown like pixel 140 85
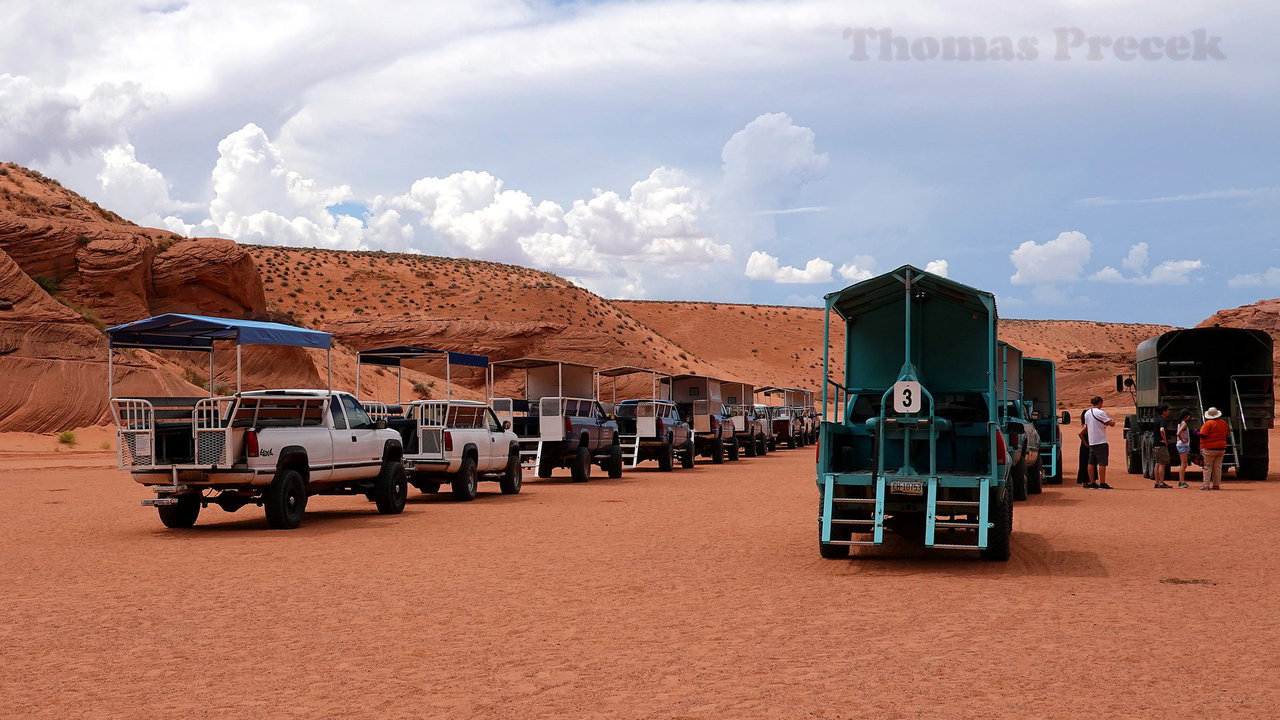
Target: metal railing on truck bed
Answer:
pixel 202 431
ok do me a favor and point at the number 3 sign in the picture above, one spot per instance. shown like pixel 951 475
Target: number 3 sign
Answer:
pixel 906 396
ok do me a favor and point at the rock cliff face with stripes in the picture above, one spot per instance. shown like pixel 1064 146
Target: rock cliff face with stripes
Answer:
pixel 68 268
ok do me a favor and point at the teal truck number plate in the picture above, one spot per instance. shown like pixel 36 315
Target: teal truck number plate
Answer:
pixel 906 487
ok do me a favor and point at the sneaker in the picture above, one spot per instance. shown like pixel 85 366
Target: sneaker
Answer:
pixel 1104 486
pixel 1205 487
pixel 1215 487
pixel 1163 485
pixel 1182 484
pixel 1091 486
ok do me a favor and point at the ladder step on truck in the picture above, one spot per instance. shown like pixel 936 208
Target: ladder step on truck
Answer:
pixel 873 526
pixel 947 508
pixel 630 450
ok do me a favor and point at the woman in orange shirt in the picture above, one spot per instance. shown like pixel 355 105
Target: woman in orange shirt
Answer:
pixel 1213 445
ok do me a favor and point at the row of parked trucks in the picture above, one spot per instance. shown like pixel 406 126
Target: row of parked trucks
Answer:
pixel 278 448
pixel 937 427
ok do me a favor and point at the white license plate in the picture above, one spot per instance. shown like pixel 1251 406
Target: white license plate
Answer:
pixel 906 487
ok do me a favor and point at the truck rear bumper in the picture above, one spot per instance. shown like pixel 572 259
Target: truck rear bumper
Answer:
pixel 428 465
pixel 202 476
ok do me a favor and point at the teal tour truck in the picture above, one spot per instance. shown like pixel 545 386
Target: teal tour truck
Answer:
pixel 911 440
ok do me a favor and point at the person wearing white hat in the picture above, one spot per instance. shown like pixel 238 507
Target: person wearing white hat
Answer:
pixel 1213 445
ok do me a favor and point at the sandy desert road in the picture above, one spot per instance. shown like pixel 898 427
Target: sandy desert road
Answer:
pixel 693 594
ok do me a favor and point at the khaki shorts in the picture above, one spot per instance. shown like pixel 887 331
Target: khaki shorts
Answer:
pixel 1162 454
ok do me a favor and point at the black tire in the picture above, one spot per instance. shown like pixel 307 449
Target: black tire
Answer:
pixel 615 461
pixel 180 516
pixel 666 457
pixel 687 460
pixel 731 449
pixel 791 442
pixel 1035 478
pixel 1133 459
pixel 545 467
pixel 285 500
pixel 581 469
pixel 717 451
pixel 1018 481
pixel 467 482
pixel 750 448
pixel 428 488
pixel 762 445
pixel 513 476
pixel 997 549
pixel 833 552
pixel 391 488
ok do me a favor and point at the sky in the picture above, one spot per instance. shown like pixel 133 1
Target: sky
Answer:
pixel 1111 161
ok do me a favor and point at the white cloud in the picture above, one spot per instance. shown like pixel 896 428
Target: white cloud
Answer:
pixel 1173 272
pixel 1061 259
pixel 258 199
pixel 1267 278
pixel 938 267
pixel 134 189
pixel 862 267
pixel 1169 272
pixel 763 266
pixel 37 122
pixel 1136 260
pixel 770 157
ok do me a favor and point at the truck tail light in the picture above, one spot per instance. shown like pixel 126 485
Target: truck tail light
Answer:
pixel 568 426
pixel 1002 450
pixel 662 430
pixel 817 449
pixel 251 444
pixel 448 441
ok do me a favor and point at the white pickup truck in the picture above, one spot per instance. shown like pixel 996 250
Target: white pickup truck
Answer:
pixel 273 448
pixel 456 441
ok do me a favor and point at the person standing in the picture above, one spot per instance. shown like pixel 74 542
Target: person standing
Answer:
pixel 1096 423
pixel 1213 445
pixel 1182 443
pixel 1163 438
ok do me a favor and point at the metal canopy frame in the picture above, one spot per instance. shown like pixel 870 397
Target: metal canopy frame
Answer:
pixel 529 363
pixel 658 377
pixel 198 333
pixel 396 355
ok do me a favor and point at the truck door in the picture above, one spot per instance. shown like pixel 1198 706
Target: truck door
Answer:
pixel 356 449
pixel 498 449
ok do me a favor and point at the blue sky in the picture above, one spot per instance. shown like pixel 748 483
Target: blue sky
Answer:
pixel 685 150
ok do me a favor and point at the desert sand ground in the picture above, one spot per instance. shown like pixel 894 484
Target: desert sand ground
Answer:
pixel 695 594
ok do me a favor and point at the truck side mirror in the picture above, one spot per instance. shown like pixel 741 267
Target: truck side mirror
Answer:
pixel 1119 383
pixel 1128 382
pixel 506 424
pixel 380 424
pixel 1065 419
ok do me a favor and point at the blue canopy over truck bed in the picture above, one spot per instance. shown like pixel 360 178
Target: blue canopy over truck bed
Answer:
pixel 910 439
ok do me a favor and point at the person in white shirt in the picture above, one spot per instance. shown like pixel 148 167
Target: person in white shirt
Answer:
pixel 1097 422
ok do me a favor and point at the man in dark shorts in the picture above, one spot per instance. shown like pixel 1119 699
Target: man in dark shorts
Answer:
pixel 1163 435
pixel 1097 422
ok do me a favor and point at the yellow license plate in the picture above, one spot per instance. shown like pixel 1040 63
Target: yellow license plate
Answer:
pixel 906 487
